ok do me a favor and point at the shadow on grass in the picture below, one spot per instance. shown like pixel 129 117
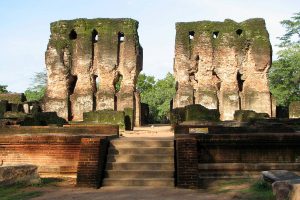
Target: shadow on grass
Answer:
pixel 21 191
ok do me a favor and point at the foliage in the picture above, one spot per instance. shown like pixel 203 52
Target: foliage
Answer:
pixel 3 89
pixel 292 35
pixel 284 75
pixel 38 87
pixel 157 94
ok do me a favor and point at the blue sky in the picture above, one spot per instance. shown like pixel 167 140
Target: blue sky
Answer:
pixel 24 31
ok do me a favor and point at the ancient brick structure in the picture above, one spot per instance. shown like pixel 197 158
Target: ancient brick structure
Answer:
pixel 87 60
pixel 223 65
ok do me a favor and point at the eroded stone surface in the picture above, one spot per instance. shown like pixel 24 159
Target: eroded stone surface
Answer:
pixel 85 58
pixel 223 65
pixel 12 174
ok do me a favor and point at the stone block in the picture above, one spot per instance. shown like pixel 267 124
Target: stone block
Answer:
pixel 294 109
pixel 11 174
pixel 106 117
pixel 278 175
pixel 14 115
pixel 287 190
pixel 248 115
pixel 200 113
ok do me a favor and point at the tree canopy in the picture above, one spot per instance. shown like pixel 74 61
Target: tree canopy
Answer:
pixel 38 87
pixel 3 89
pixel 284 75
pixel 157 94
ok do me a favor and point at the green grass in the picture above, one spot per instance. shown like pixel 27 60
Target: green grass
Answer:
pixel 254 189
pixel 259 190
pixel 21 191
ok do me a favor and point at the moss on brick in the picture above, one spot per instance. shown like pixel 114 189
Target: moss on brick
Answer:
pixel 14 115
pixel 253 32
pixel 106 117
pixel 198 112
pixel 248 115
pixel 107 29
pixel 13 97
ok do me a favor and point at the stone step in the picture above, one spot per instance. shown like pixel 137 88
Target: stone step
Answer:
pixel 134 174
pixel 141 143
pixel 140 166
pixel 140 158
pixel 167 182
pixel 142 150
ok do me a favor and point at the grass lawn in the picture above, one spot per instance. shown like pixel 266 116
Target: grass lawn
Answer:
pixel 21 191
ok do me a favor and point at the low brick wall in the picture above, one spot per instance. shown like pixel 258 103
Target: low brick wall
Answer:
pixel 61 153
pixel 107 130
pixel 222 156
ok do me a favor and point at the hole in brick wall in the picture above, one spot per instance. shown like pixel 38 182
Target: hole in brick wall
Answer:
pixel 73 35
pixel 95 36
pixel 215 34
pixel 197 58
pixel 240 81
pixel 191 35
pixel 72 84
pixel 218 83
pixel 71 89
pixel 96 83
pixel 121 37
pixel 239 32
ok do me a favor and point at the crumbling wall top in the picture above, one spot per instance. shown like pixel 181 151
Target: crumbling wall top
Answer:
pixel 83 28
pixel 236 34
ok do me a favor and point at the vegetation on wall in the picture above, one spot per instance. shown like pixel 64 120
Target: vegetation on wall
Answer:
pixel 284 75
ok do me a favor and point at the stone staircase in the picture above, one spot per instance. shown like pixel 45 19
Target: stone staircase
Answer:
pixel 140 162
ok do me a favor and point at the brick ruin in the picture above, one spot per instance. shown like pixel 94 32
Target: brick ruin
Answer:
pixel 223 65
pixel 92 64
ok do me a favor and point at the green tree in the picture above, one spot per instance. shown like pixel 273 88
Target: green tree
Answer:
pixel 38 87
pixel 3 89
pixel 284 75
pixel 157 94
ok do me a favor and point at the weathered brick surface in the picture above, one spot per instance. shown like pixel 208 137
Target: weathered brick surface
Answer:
pixel 54 155
pixel 187 161
pixel 91 163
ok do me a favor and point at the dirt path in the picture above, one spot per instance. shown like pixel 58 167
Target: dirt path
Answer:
pixel 155 130
pixel 136 193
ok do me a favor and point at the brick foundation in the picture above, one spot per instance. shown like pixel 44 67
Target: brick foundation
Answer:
pixel 91 163
pixel 187 162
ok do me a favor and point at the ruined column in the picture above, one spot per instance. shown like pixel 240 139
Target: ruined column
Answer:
pixel 223 65
pixel 85 59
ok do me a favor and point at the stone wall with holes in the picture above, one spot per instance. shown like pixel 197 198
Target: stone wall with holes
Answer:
pixel 223 65
pixel 92 64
